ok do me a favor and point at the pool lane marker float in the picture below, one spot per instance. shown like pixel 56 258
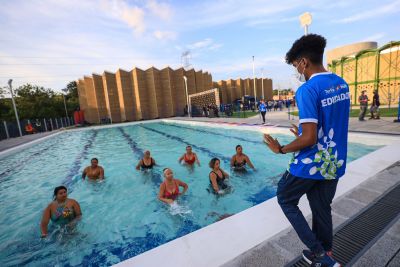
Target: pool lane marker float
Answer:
pixel 68 180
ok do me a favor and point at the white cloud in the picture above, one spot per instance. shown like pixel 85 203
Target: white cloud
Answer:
pixel 372 13
pixel 133 16
pixel 161 10
pixel 201 44
pixel 220 12
pixel 373 38
pixel 272 21
pixel 165 35
pixel 206 44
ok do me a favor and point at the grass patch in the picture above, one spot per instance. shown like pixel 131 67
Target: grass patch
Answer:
pixel 384 112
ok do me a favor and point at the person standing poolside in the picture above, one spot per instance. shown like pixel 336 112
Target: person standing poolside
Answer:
pixel 375 106
pixel 239 160
pixel 146 163
pixel 61 210
pixel 217 177
pixel 94 171
pixel 263 109
pixel 363 99
pixel 169 189
pixel 320 148
pixel 189 157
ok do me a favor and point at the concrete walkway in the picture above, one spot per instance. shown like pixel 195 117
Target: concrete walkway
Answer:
pixel 286 246
pixel 13 142
pixel 280 119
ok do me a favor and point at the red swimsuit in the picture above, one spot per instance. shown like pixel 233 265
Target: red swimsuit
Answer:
pixel 189 161
pixel 172 195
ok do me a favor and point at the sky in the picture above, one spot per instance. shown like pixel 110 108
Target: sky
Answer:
pixel 52 42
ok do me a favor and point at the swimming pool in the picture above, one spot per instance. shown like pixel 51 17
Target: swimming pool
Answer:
pixel 121 216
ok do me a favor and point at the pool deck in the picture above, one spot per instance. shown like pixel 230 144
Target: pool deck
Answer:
pixel 280 119
pixel 274 119
pixel 14 142
pixel 286 246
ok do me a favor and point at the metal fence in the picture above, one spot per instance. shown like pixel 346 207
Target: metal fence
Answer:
pixel 9 129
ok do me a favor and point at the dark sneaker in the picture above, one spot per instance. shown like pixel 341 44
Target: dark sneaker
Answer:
pixel 324 261
pixel 308 256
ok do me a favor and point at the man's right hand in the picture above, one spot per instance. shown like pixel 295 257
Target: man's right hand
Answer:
pixel 295 130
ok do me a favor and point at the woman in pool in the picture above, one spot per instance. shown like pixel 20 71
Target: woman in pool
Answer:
pixel 169 189
pixel 217 176
pixel 61 210
pixel 189 157
pixel 239 160
pixel 146 162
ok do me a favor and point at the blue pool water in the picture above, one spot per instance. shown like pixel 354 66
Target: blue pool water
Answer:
pixel 122 216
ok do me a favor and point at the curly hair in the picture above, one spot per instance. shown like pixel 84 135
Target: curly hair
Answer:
pixel 310 46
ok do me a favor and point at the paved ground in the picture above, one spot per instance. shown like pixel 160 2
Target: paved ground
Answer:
pixel 286 246
pixel 280 118
pixel 12 142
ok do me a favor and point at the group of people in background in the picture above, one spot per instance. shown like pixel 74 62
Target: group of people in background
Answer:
pixel 374 110
pixel 63 210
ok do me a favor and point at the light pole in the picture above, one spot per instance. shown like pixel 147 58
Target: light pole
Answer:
pixel 187 95
pixel 305 21
pixel 65 90
pixel 262 83
pixel 254 79
pixel 15 107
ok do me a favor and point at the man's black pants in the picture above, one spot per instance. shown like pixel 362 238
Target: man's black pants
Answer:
pixel 320 194
pixel 263 115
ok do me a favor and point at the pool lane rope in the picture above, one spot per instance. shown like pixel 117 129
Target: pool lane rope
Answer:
pixel 69 180
pixel 200 148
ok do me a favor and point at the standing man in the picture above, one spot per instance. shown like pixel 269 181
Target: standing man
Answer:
pixel 320 148
pixel 363 99
pixel 263 109
pixel 375 106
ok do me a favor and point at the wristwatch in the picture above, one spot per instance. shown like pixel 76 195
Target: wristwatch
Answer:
pixel 280 150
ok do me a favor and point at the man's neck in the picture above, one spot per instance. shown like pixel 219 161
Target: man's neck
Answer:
pixel 317 69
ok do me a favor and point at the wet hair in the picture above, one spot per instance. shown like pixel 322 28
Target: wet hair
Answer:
pixel 94 159
pixel 238 146
pixel 165 169
pixel 58 188
pixel 212 162
pixel 188 146
pixel 310 46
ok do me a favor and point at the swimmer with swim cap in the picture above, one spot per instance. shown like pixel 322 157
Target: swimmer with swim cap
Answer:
pixel 169 189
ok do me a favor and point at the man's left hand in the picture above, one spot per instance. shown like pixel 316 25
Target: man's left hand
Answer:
pixel 272 143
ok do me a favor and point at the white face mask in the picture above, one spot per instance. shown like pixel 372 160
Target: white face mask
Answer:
pixel 300 76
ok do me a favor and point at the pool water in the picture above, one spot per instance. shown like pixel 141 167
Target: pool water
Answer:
pixel 122 216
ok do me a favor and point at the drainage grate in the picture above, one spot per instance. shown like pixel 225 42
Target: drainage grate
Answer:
pixel 352 239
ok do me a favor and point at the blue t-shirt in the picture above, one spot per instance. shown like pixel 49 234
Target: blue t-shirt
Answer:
pixel 325 100
pixel 262 107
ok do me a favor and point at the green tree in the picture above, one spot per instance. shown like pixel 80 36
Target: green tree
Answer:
pixel 71 97
pixel 37 102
